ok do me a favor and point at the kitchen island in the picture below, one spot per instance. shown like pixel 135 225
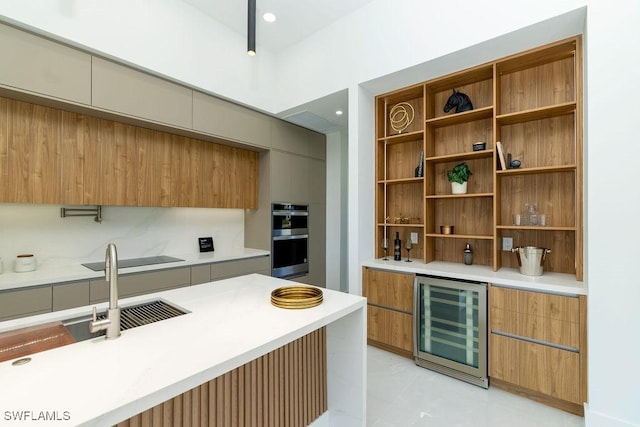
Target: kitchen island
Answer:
pixel 229 323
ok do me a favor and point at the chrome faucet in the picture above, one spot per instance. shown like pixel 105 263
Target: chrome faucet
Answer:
pixel 112 323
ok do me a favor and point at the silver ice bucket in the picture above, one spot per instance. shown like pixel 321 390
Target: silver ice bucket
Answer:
pixel 531 259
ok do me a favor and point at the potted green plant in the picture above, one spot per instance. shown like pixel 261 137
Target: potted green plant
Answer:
pixel 458 176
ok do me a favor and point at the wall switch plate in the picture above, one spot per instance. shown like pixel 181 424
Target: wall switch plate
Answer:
pixel 507 243
pixel 414 238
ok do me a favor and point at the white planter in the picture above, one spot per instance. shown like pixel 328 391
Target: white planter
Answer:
pixel 459 188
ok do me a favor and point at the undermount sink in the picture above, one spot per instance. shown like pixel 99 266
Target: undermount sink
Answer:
pixel 130 317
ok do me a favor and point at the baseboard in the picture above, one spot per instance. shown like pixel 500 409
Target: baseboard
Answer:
pixel 390 348
pixel 574 408
pixel 598 419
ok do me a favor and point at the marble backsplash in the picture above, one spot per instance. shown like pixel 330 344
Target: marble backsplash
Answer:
pixel 136 231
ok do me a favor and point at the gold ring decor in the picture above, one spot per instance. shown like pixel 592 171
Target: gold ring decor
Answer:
pixel 295 297
pixel 401 116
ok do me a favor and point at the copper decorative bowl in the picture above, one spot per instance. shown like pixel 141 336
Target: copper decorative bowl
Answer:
pixel 296 297
pixel 446 229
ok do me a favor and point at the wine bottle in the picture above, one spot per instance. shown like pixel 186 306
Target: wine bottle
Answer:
pixel 397 244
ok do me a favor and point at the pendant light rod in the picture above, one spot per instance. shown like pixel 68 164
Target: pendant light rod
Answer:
pixel 251 27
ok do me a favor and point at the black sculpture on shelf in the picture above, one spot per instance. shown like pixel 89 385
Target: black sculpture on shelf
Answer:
pixel 458 100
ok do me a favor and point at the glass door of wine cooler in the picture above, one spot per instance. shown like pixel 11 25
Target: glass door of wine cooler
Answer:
pixel 451 328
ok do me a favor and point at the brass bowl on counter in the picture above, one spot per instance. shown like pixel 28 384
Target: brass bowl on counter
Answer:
pixel 296 297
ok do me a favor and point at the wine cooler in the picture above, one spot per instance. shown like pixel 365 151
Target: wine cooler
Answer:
pixel 451 328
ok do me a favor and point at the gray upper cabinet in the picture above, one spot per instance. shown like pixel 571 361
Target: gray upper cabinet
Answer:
pixel 317 145
pixel 230 121
pixel 288 137
pixel 125 90
pixel 37 65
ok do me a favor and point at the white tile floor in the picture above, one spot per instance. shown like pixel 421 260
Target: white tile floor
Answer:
pixel 402 394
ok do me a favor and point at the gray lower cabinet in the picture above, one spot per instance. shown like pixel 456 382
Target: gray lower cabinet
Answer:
pixel 200 274
pixel 224 270
pixel 141 283
pixel 70 295
pixel 25 302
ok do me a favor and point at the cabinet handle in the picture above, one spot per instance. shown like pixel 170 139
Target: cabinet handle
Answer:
pixel 535 341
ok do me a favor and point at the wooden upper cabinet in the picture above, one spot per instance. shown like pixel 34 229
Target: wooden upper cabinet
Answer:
pixel 125 90
pixel 37 65
pixel 30 153
pixel 53 156
pixel 227 120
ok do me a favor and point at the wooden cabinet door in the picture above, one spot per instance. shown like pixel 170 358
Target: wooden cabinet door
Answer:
pixel 388 289
pixel 503 358
pixel 30 153
pixel 550 371
pixel 390 328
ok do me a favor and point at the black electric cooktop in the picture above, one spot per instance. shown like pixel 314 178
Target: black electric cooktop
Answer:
pixel 134 262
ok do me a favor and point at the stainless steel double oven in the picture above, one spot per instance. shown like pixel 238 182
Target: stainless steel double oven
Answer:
pixel 289 240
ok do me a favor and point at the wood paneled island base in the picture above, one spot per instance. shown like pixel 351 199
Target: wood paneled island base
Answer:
pixel 287 386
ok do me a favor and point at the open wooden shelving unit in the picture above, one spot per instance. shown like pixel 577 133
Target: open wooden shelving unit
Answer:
pixel 532 103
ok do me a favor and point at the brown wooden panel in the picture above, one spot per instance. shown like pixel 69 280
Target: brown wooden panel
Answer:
pixel 538 86
pixel 538 143
pixel 551 371
pixel 562 245
pixel 394 290
pixel 286 387
pixel 480 93
pixel 457 139
pixel 4 148
pixel 390 327
pixel 74 133
pixel 402 159
pixel 503 359
pixel 452 250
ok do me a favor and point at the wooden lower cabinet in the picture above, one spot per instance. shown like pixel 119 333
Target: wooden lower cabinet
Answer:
pixel 286 387
pixel 537 346
pixel 389 329
pixel 389 310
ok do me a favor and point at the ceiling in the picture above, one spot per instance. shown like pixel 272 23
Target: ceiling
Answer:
pixel 296 20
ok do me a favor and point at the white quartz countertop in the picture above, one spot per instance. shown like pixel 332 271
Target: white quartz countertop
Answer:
pixel 67 270
pixel 101 382
pixel 548 282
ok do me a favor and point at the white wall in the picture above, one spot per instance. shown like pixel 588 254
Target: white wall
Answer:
pixel 386 43
pixel 169 37
pixel 613 89
pixel 55 241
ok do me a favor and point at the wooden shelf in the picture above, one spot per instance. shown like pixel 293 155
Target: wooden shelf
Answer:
pixel 461 156
pixel 539 170
pixel 458 196
pixel 390 224
pixel 536 114
pixel 402 137
pixel 460 236
pixel 457 118
pixel 532 102
pixel 536 228
pixel 401 181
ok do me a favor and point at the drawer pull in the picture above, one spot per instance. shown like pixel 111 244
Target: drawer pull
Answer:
pixel 535 341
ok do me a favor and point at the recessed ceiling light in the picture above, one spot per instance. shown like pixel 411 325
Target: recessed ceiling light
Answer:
pixel 338 112
pixel 269 17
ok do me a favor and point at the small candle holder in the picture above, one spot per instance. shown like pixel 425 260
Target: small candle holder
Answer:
pixel 385 246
